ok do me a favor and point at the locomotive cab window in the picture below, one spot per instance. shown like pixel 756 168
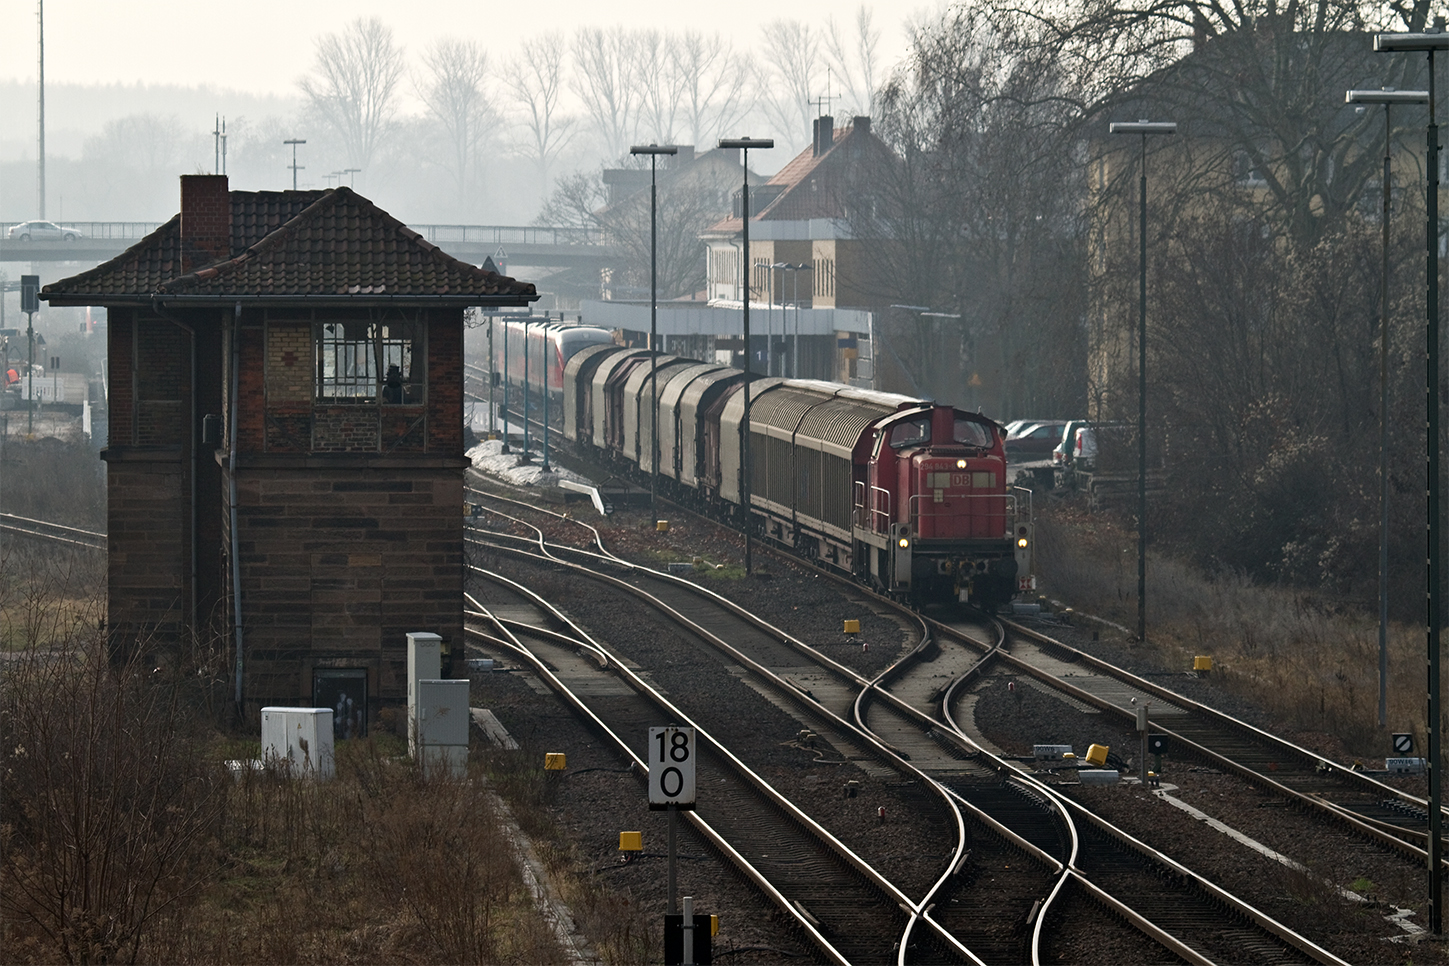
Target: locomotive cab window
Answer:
pixel 916 432
pixel 972 433
pixel 370 362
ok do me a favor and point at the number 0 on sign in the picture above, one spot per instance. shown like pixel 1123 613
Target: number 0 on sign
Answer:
pixel 671 767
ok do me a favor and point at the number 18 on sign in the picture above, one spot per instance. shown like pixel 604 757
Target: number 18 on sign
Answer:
pixel 671 767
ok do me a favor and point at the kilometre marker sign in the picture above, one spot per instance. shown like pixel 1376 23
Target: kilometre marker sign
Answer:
pixel 671 767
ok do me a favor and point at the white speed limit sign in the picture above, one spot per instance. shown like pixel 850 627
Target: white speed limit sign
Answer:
pixel 671 767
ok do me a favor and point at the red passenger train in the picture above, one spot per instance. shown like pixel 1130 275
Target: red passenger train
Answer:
pixel 905 494
pixel 550 345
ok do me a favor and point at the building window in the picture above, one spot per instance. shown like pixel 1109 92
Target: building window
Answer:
pixel 370 362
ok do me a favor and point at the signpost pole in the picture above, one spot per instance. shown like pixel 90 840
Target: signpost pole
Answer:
pixel 673 859
pixel 671 785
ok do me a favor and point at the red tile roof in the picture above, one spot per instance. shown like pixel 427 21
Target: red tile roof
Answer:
pixel 788 178
pixel 332 243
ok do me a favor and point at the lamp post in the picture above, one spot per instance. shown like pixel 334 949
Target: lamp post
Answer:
pixel 1388 98
pixel 654 151
pixel 295 168
pixel 795 271
pixel 744 144
pixel 1143 128
pixel 1430 42
pixel 795 296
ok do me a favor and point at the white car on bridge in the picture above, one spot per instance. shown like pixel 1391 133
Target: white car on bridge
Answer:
pixel 42 231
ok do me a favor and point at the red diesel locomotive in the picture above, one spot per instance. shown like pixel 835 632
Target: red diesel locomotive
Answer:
pixel 905 494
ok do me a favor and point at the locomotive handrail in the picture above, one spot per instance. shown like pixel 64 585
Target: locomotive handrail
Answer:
pixel 876 512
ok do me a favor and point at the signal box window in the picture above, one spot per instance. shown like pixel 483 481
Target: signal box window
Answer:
pixel 370 362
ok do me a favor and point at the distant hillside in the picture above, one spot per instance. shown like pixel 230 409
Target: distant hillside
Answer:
pixel 76 111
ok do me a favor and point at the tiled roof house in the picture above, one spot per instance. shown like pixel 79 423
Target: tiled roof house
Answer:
pixel 285 461
pixel 802 216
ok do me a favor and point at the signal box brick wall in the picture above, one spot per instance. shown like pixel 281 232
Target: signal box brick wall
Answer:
pixel 147 500
pixel 154 465
pixel 349 516
pixel 338 565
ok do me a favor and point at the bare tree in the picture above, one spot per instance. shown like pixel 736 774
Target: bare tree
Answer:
pixel 979 220
pixel 854 70
pixel 1260 80
pixel 686 206
pixel 112 808
pixel 662 84
pixel 354 86
pixel 715 81
pixel 454 93
pixel 535 79
pixel 608 81
pixel 789 79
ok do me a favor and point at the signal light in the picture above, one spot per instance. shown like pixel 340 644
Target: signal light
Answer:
pixel 903 542
pixel 1021 542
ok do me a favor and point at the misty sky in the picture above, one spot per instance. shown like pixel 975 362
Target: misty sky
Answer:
pixel 265 45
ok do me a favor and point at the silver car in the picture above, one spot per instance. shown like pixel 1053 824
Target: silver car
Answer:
pixel 42 231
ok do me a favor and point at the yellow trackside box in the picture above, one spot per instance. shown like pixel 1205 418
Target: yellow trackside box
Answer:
pixel 661 525
pixel 1202 663
pixel 852 627
pixel 555 761
pixel 631 841
pixel 1097 755
pixel 714 925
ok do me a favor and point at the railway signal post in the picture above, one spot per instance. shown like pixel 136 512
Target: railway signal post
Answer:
pixel 30 304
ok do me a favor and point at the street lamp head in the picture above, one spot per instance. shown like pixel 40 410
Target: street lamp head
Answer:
pixel 654 149
pixel 746 143
pixel 1142 127
pixel 1389 43
pixel 1386 97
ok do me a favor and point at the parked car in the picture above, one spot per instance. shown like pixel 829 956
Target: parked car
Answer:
pixel 1066 447
pixel 1092 447
pixel 1034 440
pixel 43 231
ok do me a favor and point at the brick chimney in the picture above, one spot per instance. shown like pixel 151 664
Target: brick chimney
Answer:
pixel 861 124
pixel 205 221
pixel 824 134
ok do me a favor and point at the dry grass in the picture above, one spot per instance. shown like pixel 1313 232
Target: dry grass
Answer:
pixel 1311 658
pixel 124 839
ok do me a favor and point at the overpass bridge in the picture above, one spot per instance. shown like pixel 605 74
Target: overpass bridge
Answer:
pixel 519 245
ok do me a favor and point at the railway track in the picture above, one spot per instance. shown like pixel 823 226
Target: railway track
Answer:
pixel 1371 809
pixel 850 911
pixel 1207 924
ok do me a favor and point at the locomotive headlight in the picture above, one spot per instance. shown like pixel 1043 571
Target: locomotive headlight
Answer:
pixel 960 464
pixel 904 543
